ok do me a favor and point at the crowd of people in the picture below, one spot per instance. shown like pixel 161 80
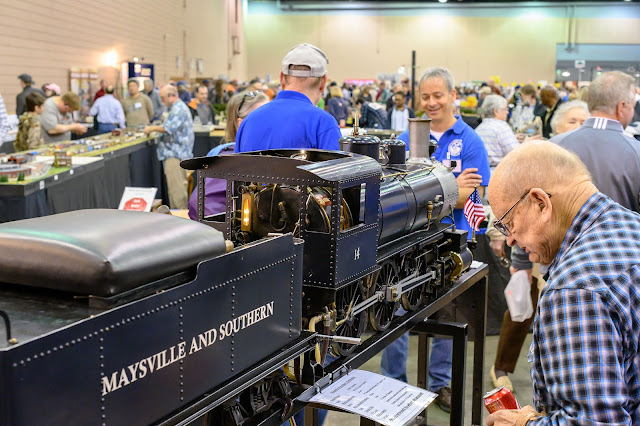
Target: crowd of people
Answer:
pixel 563 183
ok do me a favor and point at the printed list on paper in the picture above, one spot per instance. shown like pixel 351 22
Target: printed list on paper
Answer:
pixel 382 399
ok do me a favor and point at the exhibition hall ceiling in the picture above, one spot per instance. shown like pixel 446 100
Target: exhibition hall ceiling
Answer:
pixel 393 4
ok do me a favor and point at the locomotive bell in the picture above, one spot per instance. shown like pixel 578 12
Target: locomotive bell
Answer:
pixel 361 144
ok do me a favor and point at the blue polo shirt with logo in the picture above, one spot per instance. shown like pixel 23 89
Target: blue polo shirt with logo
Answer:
pixel 289 121
pixel 461 144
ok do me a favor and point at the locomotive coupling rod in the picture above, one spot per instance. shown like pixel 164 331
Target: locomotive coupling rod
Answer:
pixel 342 339
pixel 378 296
pixel 407 284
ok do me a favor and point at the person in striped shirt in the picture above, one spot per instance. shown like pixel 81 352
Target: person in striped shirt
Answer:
pixel 494 131
pixel 585 360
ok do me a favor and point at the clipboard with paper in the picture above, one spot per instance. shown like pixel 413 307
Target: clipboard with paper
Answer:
pixel 382 399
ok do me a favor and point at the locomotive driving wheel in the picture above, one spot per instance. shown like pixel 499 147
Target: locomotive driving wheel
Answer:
pixel 413 264
pixel 346 298
pixel 381 314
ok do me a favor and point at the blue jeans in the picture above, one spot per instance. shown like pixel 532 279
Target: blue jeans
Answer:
pixel 105 128
pixel 394 361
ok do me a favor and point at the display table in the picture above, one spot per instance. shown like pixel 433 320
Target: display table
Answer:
pixel 96 180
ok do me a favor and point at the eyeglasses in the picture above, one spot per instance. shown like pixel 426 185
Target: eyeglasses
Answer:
pixel 503 228
pixel 244 98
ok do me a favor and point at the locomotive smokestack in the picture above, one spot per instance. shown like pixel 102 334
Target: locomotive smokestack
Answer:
pixel 419 135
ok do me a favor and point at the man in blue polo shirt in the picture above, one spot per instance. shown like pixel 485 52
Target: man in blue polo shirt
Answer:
pixel 292 120
pixel 459 147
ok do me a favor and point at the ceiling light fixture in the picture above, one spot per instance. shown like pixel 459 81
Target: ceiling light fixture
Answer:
pixel 442 1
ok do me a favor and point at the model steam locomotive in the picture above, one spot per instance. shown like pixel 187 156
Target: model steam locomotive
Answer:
pixel 371 221
pixel 128 317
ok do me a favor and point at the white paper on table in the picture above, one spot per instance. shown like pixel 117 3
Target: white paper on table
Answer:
pixel 376 397
pixel 475 264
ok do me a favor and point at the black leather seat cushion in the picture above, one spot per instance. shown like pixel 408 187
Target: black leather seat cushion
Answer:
pixel 102 252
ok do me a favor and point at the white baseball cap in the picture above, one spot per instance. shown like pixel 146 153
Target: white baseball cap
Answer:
pixel 305 54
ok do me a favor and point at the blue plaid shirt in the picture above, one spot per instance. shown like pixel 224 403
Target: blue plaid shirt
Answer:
pixel 585 362
pixel 178 141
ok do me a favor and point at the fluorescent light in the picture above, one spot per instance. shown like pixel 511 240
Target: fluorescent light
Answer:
pixel 442 1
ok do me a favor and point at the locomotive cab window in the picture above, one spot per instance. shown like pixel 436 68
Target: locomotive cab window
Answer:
pixel 352 210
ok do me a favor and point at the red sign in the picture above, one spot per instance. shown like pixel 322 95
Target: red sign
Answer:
pixel 135 204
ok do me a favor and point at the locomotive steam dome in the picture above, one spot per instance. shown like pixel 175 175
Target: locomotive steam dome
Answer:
pixel 361 144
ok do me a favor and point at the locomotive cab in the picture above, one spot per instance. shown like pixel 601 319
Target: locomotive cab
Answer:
pixel 329 199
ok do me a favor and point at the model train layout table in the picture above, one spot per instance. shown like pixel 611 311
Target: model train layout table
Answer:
pixel 100 168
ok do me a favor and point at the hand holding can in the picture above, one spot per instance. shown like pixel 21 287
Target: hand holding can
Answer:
pixel 500 399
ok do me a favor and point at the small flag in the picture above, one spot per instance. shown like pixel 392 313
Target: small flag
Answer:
pixel 474 210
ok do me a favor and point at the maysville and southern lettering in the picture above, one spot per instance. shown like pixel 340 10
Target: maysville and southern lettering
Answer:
pixel 146 366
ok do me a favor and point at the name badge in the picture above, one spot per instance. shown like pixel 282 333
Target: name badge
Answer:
pixel 137 105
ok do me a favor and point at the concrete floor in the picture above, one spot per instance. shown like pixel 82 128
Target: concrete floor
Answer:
pixel 520 378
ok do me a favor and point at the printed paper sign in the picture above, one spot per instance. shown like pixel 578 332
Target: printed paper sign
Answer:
pixel 140 199
pixel 382 399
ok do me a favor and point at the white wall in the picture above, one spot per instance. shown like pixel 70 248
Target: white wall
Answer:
pixel 517 44
pixel 45 38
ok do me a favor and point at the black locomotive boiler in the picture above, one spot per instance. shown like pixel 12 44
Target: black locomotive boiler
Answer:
pixel 372 223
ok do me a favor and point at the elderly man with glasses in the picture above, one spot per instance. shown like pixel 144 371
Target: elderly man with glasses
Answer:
pixel 586 335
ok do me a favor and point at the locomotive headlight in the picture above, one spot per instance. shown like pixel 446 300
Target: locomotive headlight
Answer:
pixel 246 212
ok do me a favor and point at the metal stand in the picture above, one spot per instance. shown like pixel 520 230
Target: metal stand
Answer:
pixel 475 280
pixel 458 367
pixel 458 332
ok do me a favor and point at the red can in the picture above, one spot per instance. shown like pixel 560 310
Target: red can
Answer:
pixel 500 399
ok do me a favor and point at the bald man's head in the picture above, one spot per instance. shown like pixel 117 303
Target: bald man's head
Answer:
pixel 535 164
pixel 536 192
pixel 169 95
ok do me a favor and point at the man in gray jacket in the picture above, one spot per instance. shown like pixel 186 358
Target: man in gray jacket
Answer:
pixel 612 158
